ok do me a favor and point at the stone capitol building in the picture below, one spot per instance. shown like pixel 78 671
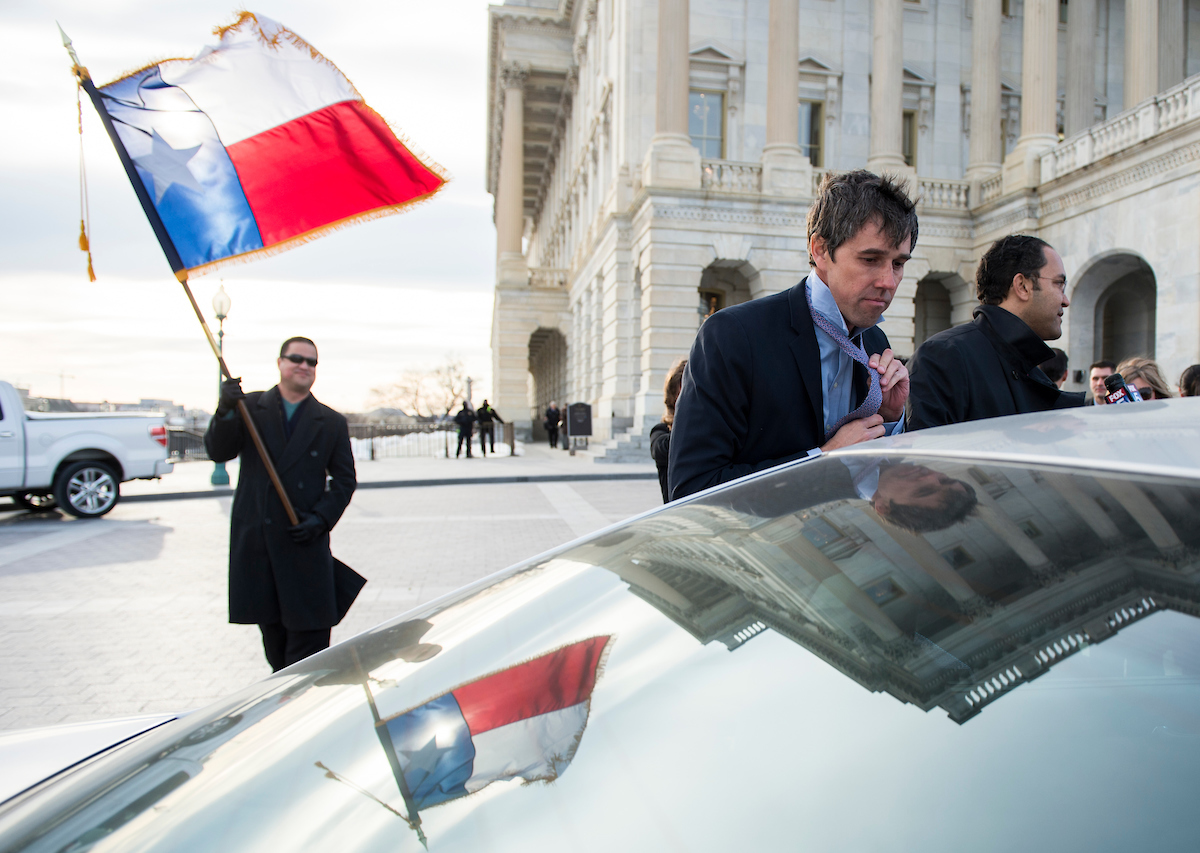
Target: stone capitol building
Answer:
pixel 653 161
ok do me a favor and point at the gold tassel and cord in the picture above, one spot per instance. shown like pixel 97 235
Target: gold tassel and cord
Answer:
pixel 84 212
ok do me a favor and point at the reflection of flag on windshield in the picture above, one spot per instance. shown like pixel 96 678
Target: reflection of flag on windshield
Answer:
pixel 524 721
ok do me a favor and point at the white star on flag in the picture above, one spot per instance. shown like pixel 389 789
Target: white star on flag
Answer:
pixel 167 166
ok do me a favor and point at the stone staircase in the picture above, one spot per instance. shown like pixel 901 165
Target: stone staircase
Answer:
pixel 629 446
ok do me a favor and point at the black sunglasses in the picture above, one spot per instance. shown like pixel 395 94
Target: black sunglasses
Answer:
pixel 300 359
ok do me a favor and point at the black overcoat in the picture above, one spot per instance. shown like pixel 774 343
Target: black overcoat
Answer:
pixel 984 369
pixel 752 394
pixel 271 578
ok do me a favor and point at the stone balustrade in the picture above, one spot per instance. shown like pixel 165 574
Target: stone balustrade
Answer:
pixel 1163 112
pixel 547 277
pixel 991 188
pixel 729 176
pixel 940 194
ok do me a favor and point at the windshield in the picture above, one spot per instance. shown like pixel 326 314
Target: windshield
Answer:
pixel 1009 652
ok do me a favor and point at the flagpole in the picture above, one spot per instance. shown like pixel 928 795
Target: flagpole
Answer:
pixel 389 749
pixel 243 410
pixel 177 265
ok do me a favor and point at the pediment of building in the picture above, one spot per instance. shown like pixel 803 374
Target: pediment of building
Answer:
pixel 815 65
pixel 711 51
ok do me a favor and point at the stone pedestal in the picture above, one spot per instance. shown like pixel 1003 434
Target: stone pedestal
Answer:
pixel 786 172
pixel 671 163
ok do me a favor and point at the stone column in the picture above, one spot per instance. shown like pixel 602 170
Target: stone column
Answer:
pixel 887 87
pixel 786 171
pixel 1172 43
pixel 1141 50
pixel 986 151
pixel 672 160
pixel 1080 109
pixel 1039 95
pixel 510 203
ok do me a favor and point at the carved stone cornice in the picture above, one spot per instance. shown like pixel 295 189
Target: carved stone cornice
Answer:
pixel 513 75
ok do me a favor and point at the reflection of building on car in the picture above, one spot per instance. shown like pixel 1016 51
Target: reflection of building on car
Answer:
pixel 948 568
pixel 1049 563
pixel 150 781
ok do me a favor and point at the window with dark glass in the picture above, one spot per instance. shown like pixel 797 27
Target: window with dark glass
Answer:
pixel 810 131
pixel 706 123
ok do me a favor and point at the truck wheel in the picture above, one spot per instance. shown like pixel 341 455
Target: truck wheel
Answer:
pixel 87 489
pixel 35 503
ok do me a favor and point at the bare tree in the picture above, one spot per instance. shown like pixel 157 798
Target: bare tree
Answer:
pixel 420 392
pixel 447 385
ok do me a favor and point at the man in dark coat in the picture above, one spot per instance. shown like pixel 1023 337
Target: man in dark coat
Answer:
pixel 486 415
pixel 989 368
pixel 282 577
pixel 774 379
pixel 466 425
pixel 551 422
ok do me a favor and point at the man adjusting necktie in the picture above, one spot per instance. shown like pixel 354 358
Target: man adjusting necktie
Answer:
pixel 777 378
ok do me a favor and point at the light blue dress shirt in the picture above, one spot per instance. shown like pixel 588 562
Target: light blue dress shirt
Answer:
pixel 837 368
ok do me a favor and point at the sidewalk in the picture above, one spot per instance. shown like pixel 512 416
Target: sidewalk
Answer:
pixel 535 463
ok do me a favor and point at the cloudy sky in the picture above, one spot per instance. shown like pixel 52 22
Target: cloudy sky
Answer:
pixel 404 292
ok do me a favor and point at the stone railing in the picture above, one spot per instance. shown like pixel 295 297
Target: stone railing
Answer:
pixel 1164 111
pixel 728 176
pixel 991 188
pixel 547 277
pixel 940 194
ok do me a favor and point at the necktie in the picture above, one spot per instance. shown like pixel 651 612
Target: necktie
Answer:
pixel 874 399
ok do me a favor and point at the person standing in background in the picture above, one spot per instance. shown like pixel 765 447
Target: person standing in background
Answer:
pixel 1189 381
pixel 1055 367
pixel 660 435
pixel 485 414
pixel 1096 375
pixel 553 419
pixel 1145 375
pixel 989 368
pixel 465 419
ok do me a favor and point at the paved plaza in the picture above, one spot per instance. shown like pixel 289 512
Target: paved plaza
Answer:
pixel 127 614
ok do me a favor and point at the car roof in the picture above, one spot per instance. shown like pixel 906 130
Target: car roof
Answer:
pixel 1154 437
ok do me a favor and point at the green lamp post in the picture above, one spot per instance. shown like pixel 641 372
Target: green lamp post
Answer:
pixel 221 304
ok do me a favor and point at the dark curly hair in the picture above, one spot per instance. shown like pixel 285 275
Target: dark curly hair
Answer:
pixel 1000 264
pixel 847 201
pixel 1189 381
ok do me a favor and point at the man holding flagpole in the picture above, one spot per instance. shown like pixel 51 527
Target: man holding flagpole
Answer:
pixel 282 576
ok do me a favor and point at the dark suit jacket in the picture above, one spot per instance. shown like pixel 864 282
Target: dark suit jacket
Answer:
pixel 752 395
pixel 271 578
pixel 984 369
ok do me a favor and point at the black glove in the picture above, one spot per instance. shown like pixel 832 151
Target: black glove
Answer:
pixel 309 530
pixel 231 392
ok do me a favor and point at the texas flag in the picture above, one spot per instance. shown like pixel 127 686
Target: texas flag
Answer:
pixel 254 145
pixel 525 721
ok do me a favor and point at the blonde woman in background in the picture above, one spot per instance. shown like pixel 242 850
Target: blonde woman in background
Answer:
pixel 1145 375
pixel 660 435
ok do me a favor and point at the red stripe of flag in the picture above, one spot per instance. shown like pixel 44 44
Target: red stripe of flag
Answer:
pixel 549 683
pixel 325 167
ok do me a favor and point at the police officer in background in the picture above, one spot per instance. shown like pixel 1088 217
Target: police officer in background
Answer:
pixel 485 414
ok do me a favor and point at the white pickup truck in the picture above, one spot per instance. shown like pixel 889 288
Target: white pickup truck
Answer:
pixel 76 461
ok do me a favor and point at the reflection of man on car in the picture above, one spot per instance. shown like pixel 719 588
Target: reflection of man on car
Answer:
pixel 910 496
pixel 920 499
